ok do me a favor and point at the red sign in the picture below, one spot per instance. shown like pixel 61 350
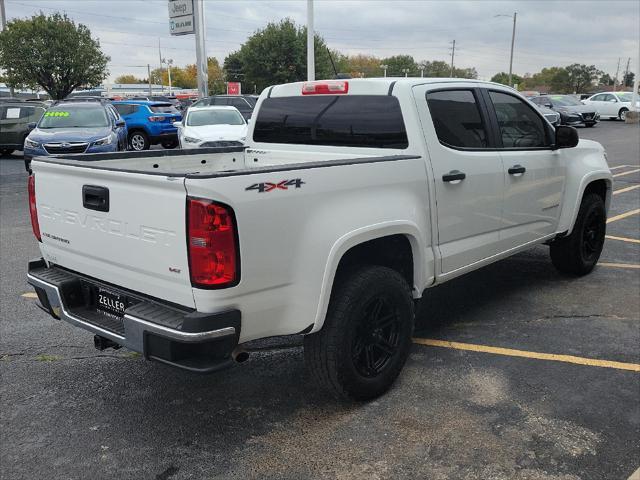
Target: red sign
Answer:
pixel 233 88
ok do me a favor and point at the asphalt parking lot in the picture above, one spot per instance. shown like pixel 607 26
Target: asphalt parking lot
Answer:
pixel 517 372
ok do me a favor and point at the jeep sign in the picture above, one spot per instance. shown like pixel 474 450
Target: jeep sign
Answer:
pixel 181 17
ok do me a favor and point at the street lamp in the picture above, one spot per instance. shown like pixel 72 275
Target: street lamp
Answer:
pixel 513 38
pixel 384 67
pixel 406 72
pixel 168 62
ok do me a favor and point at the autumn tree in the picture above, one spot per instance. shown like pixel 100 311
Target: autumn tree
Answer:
pixel 51 52
pixel 128 78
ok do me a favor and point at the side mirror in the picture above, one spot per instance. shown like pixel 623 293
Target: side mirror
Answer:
pixel 120 123
pixel 177 124
pixel 31 125
pixel 566 137
pixel 613 100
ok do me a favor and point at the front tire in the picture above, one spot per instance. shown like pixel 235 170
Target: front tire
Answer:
pixel 578 253
pixel 622 114
pixel 169 145
pixel 366 337
pixel 138 141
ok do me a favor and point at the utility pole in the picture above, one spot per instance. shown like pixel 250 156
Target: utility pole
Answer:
pixel 626 72
pixel 201 51
pixel 513 39
pixel 615 79
pixel 149 78
pixel 453 54
pixel 311 61
pixel 169 63
pixel 384 68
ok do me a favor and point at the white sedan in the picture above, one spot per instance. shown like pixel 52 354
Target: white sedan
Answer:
pixel 611 104
pixel 212 126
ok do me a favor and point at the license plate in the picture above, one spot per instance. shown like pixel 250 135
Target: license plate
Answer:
pixel 110 302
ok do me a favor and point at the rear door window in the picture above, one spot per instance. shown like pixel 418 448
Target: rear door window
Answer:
pixel 457 119
pixel 368 121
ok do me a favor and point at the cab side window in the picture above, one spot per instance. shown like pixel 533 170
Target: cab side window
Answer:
pixel 520 126
pixel 456 118
pixel 608 98
pixel 597 98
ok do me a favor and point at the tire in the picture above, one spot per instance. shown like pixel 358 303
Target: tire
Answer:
pixel 622 114
pixel 171 144
pixel 6 151
pixel 350 356
pixel 589 125
pixel 578 253
pixel 138 141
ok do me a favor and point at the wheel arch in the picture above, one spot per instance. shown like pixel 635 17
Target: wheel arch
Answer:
pixel 395 245
pixel 597 183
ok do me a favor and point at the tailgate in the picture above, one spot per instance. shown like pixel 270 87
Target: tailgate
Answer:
pixel 139 243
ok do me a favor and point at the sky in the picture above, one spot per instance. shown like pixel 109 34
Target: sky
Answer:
pixel 548 32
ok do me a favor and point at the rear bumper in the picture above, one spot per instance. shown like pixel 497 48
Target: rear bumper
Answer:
pixel 179 337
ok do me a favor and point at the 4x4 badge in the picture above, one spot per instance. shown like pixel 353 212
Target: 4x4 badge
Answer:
pixel 264 187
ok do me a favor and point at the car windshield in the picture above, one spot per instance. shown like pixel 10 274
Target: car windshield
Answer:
pixel 164 108
pixel 72 116
pixel 198 118
pixel 624 97
pixel 564 100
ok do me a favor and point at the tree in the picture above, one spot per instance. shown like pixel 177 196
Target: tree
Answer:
pixel 52 52
pixel 503 78
pixel 628 79
pixel 276 54
pixel 361 66
pixel 606 79
pixel 581 77
pixel 398 63
pixel 128 78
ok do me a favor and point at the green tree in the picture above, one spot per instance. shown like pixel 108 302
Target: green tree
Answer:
pixel 128 78
pixel 276 54
pixel 52 52
pixel 581 77
pixel 397 63
pixel 628 79
pixel 503 78
pixel 606 79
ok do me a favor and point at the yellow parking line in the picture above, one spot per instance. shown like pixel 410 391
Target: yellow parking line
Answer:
pixel 632 266
pixel 622 239
pixel 626 189
pixel 627 173
pixel 623 215
pixel 592 362
pixel 29 295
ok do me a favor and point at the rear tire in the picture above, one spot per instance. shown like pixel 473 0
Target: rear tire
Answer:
pixel 622 114
pixel 171 144
pixel 366 337
pixel 138 141
pixel 578 253
pixel 6 151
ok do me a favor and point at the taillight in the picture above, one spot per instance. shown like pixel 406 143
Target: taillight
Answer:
pixel 33 210
pixel 212 237
pixel 324 88
pixel 156 118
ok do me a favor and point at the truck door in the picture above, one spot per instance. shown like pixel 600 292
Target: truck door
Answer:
pixel 534 174
pixel 467 172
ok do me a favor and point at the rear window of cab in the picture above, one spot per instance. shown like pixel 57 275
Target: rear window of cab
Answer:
pixel 365 121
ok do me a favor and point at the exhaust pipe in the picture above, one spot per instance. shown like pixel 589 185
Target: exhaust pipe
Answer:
pixel 240 355
pixel 102 343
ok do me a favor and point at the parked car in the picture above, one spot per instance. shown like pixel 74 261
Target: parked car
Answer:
pixel 553 117
pixel 149 123
pixel 571 111
pixel 15 119
pixel 244 103
pixel 351 198
pixel 611 104
pixel 212 127
pixel 76 127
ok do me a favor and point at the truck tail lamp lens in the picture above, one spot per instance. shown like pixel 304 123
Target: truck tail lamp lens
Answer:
pixel 213 245
pixel 325 88
pixel 33 210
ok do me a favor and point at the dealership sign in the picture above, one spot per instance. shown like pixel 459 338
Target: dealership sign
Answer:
pixel 181 17
pixel 233 88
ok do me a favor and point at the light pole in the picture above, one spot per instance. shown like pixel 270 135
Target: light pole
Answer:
pixel 168 62
pixel 406 72
pixel 513 39
pixel 311 62
pixel 384 67
pixel 421 72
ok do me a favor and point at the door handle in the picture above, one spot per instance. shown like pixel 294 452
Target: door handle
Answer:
pixel 453 176
pixel 95 198
pixel 517 169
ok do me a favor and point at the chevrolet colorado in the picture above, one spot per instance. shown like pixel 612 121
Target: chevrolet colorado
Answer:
pixel 350 199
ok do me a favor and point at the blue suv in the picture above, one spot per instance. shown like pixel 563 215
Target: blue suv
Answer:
pixel 76 127
pixel 149 123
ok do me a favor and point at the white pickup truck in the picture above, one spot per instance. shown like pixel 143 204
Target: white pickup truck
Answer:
pixel 350 199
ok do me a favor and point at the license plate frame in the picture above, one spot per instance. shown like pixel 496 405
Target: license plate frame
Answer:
pixel 110 303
